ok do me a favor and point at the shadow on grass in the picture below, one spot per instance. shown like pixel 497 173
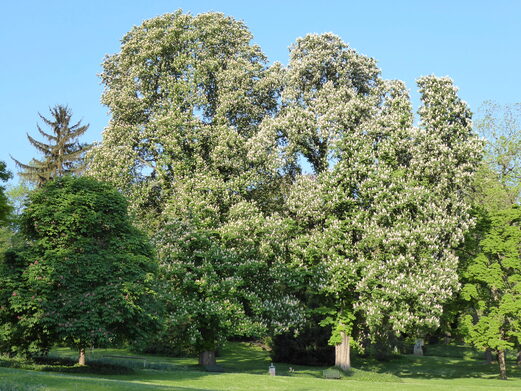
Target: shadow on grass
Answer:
pixel 22 380
pixel 432 367
pixel 252 359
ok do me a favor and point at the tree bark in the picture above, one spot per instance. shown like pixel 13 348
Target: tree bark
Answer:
pixel 81 360
pixel 488 356
pixel 519 358
pixel 502 364
pixel 418 347
pixel 342 353
pixel 207 358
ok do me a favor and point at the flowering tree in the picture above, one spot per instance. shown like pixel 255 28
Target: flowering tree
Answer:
pixel 388 202
pixel 187 95
pixel 207 142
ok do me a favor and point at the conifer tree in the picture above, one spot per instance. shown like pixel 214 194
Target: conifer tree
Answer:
pixel 63 155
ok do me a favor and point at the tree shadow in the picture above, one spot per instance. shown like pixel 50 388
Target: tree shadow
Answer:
pixel 434 367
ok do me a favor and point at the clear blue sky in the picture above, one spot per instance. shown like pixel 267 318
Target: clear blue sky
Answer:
pixel 51 50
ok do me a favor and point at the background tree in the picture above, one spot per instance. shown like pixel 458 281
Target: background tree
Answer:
pixel 187 95
pixel 500 126
pixel 5 211
pixel 489 266
pixel 5 208
pixel 63 155
pixel 85 276
pixel 9 233
pixel 493 283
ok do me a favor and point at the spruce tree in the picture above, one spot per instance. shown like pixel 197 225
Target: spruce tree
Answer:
pixel 63 155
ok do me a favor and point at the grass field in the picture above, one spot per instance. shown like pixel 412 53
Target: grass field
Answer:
pixel 447 368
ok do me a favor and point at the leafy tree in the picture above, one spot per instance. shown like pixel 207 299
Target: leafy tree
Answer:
pixel 388 202
pixel 5 208
pixel 205 150
pixel 501 127
pixel 487 272
pixel 85 276
pixel 493 284
pixel 9 233
pixel 63 155
pixel 187 95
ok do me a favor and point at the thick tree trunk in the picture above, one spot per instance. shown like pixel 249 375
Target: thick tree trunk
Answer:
pixel 488 356
pixel 418 347
pixel 207 358
pixel 81 360
pixel 502 364
pixel 343 354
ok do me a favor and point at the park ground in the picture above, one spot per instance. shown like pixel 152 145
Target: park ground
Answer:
pixel 246 368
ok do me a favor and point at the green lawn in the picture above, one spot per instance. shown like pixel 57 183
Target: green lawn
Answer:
pixel 246 369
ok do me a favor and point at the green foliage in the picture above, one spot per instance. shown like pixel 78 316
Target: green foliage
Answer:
pixel 378 221
pixel 5 208
pixel 489 263
pixel 501 127
pixel 187 95
pixel 493 284
pixel 206 141
pixel 85 277
pixel 64 155
pixel 9 234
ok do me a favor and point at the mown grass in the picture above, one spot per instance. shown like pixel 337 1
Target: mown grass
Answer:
pixel 246 369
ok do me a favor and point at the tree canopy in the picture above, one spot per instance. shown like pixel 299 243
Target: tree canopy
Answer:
pixel 187 94
pixel 85 275
pixel 207 141
pixel 489 262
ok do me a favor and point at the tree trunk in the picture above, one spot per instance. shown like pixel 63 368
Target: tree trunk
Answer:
pixel 519 358
pixel 488 356
pixel 81 360
pixel 502 364
pixel 418 347
pixel 207 358
pixel 342 353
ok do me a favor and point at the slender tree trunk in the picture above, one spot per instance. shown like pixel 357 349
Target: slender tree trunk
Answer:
pixel 519 358
pixel 81 360
pixel 207 358
pixel 502 364
pixel 342 353
pixel 488 356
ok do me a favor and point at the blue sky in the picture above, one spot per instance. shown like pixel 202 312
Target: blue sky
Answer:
pixel 51 50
